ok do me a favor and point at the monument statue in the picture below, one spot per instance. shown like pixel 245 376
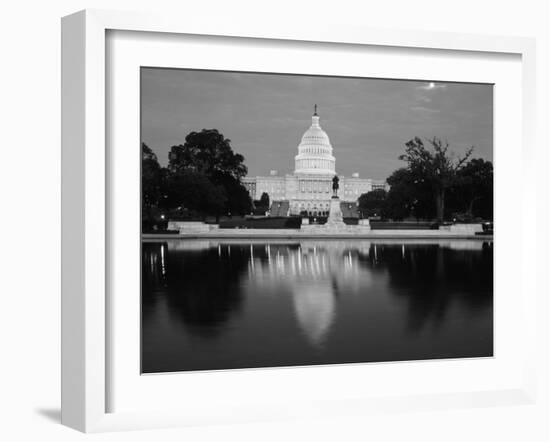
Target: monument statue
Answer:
pixel 335 186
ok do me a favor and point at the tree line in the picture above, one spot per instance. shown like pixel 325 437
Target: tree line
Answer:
pixel 434 184
pixel 203 177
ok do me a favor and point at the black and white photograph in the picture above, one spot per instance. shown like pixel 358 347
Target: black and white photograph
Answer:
pixel 299 220
pixel 251 222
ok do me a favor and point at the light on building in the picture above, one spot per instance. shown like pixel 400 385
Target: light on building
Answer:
pixel 311 181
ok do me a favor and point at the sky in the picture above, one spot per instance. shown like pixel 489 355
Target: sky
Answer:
pixel 367 120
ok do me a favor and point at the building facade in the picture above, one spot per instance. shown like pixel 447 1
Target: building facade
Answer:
pixel 309 188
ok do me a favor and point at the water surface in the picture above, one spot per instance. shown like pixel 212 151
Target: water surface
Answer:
pixel 209 304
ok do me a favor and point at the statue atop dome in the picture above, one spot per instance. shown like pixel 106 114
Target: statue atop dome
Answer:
pixel 315 111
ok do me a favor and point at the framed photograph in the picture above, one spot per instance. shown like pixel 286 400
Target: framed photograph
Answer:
pixel 264 222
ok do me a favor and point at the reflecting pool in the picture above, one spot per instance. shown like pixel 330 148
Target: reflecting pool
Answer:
pixel 220 304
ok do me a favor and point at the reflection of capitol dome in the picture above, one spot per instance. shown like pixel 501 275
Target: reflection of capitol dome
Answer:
pixel 315 151
pixel 314 305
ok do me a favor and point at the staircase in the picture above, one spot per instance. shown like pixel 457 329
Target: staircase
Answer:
pixel 349 210
pixel 279 208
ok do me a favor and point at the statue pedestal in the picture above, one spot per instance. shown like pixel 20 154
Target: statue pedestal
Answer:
pixel 335 216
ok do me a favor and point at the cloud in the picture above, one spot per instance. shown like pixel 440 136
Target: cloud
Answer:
pixel 424 109
pixel 265 114
pixel 431 86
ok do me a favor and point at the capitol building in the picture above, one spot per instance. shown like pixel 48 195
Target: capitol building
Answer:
pixel 309 187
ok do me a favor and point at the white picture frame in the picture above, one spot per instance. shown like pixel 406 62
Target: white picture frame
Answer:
pixel 86 353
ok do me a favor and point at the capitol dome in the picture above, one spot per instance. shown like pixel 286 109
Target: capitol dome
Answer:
pixel 315 151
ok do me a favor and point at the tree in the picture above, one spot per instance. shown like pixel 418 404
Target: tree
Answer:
pixel 238 201
pixel 372 203
pixel 207 152
pixel 473 191
pixel 264 200
pixel 400 199
pixel 262 205
pixel 409 195
pixel 194 191
pixel 437 166
pixel 151 181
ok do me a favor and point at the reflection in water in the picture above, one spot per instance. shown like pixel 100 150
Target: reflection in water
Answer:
pixel 315 308
pixel 223 304
pixel 312 273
